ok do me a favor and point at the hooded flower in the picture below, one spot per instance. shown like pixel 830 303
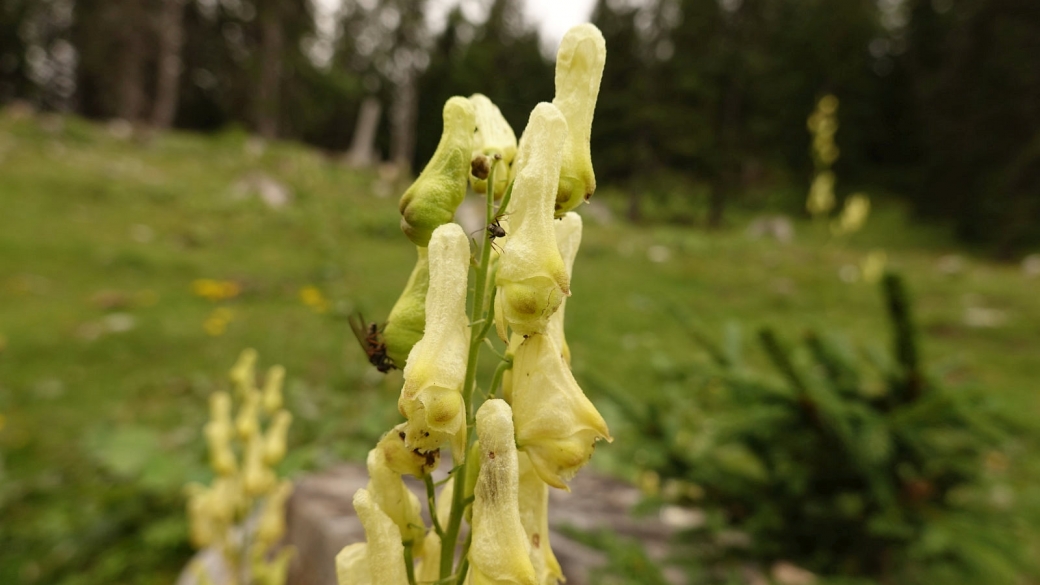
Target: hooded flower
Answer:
pixel 405 461
pixel 431 398
pixel 499 553
pixel 568 239
pixel 534 516
pixel 579 69
pixel 407 319
pixel 495 139
pixel 532 277
pixel 394 498
pixel 433 197
pixel 379 560
pixel 556 424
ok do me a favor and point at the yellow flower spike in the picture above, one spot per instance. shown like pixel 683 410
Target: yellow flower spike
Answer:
pixel 433 197
pixel 403 460
pixel 395 499
pixel 407 321
pixel 568 239
pixel 556 424
pixel 499 552
pixel 431 398
pixel 243 373
pixel 271 526
pixel 579 69
pixel 493 137
pixel 853 216
pixel 257 478
pixel 273 389
pixel 247 423
pixel 534 516
pixel 383 552
pixel 532 277
pixel 221 456
pixel 821 194
pixel 201 523
pixel 275 438
pixel 352 565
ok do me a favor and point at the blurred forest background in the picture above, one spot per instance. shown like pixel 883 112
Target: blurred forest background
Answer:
pixel 940 99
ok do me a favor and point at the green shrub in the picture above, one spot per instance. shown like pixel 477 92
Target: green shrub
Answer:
pixel 858 465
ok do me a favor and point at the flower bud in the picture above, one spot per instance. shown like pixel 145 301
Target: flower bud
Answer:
pixel 433 197
pixel 579 69
pixel 275 439
pixel 493 142
pixel 568 239
pixel 531 277
pixel 380 561
pixel 243 373
pixel 407 319
pixel 257 478
pixel 499 552
pixel 556 424
pixel 247 423
pixel 394 498
pixel 273 389
pixel 431 398
pixel 271 526
pixel 221 456
pixel 534 516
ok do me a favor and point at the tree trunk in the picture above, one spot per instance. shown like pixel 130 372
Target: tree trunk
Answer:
pixel 130 65
pixel 268 89
pixel 362 146
pixel 403 118
pixel 167 85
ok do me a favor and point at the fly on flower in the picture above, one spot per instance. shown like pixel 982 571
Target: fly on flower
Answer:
pixel 370 336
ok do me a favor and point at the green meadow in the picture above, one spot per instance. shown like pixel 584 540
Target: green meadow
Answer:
pixel 110 345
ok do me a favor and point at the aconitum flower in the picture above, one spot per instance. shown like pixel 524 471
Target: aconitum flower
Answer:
pixel 568 239
pixel 433 197
pixel 579 69
pixel 407 320
pixel 378 561
pixel 431 398
pixel 494 139
pixel 500 552
pixel 532 277
pixel 534 516
pixel 556 424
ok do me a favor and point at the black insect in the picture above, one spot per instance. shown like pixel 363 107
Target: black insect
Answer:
pixel 495 230
pixel 370 336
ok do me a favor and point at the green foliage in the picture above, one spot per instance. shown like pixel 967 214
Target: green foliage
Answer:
pixel 843 468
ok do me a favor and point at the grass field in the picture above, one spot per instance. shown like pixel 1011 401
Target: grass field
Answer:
pixel 107 351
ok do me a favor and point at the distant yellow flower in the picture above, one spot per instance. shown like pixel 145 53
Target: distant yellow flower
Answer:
pixel 312 297
pixel 873 267
pixel 215 290
pixel 821 195
pixel 217 321
pixel 853 216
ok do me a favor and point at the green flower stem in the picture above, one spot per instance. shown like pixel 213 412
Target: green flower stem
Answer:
pixel 431 501
pixel 409 562
pixel 478 311
pixel 497 379
pixel 464 565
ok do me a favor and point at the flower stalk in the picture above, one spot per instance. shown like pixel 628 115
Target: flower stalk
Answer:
pixel 508 447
